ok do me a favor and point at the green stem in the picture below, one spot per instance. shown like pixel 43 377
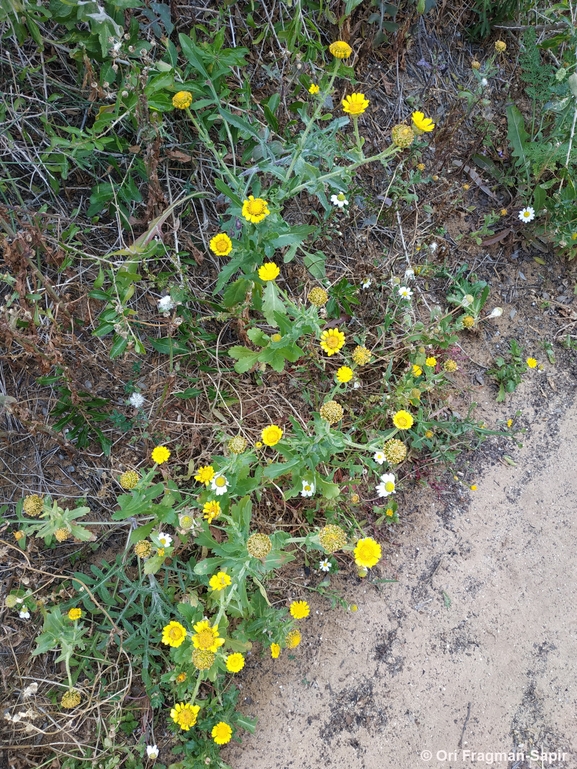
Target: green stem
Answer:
pixel 389 152
pixel 311 123
pixel 197 687
pixel 68 673
pixel 205 138
pixel 358 137
pixel 231 592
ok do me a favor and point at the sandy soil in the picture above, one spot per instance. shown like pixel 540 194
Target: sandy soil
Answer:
pixel 472 651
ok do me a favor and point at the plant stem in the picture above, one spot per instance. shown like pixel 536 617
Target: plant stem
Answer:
pixel 311 123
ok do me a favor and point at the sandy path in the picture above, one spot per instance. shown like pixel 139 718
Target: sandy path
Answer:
pixel 472 651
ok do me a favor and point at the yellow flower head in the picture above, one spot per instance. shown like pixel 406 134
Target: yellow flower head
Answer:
pixel 268 271
pixel 70 699
pixel 129 480
pixel 422 124
pixel 160 455
pixel 275 651
pixel 234 662
pixel 355 104
pixel 468 321
pixel 62 535
pixel 185 715
pixel 271 435
pixel 203 659
pixel 429 434
pixel 206 637
pixel 237 445
pixel 395 451
pixel 74 614
pixel 299 609
pixel 255 209
pixel 221 733
pixel 476 64
pixel 211 510
pixel 361 355
pixel 500 46
pixel 181 678
pixel 344 374
pixel 367 552
pixel 173 634
pixel 340 49
pixel 205 474
pixel 331 411
pixel 431 362
pixel 221 244
pixel 403 136
pixel 416 370
pixel 276 338
pixel 182 99
pixel 143 549
pixel 332 340
pixel 259 545
pixel 33 505
pixel 293 638
pixel 219 581
pixel 314 88
pixel 332 538
pixel 450 366
pixel 318 296
pixel 532 363
pixel 403 420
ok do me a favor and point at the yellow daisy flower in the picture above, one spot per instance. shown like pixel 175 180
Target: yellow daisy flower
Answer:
pixel 299 609
pixel 367 552
pixel 403 420
pixel 234 662
pixel 275 651
pixel 532 363
pixel 206 637
pixel 271 435
pixel 268 271
pixel 221 244
pixel 74 614
pixel 313 88
pixel 182 100
pixel 332 340
pixel 211 510
pixel 205 474
pixel 160 454
pixel 185 715
pixel 344 374
pixel 173 634
pixel 221 733
pixel 219 581
pixel 255 209
pixel 422 124
pixel 431 362
pixel 355 104
pixel 340 49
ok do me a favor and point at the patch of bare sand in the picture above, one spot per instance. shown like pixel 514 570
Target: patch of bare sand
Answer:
pixel 472 649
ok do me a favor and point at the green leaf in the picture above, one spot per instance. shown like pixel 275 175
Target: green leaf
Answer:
pixel 236 292
pixel 152 565
pixel 258 337
pixel 517 135
pixel 315 263
pixel 226 190
pixel 118 347
pixel 272 303
pixel 193 55
pixel 238 122
pixel 245 358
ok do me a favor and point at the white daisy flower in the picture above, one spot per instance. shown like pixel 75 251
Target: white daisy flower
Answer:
pixel 409 274
pixel 387 485
pixel 152 752
pixel 164 539
pixel 379 457
pixel 308 489
pixel 405 292
pixel 339 200
pixel 136 400
pixel 166 304
pixel 219 484
pixel 24 614
pixel 467 300
pixel 366 283
pixel 527 214
pixel 484 82
pixel 325 565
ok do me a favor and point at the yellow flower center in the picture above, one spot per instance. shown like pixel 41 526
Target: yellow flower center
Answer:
pixel 205 638
pixel 256 207
pixel 390 486
pixel 220 481
pixel 332 342
pixel 187 718
pixel 175 634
